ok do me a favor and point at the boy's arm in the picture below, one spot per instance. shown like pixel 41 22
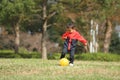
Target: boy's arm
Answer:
pixel 81 39
pixel 64 36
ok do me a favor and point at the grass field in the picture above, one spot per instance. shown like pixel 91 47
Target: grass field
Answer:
pixel 37 69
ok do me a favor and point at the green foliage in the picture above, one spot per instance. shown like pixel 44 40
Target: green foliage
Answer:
pixel 22 54
pixel 56 56
pixel 8 54
pixel 88 56
pixel 115 43
pixel 55 32
pixel 108 8
pixel 99 57
pixel 72 5
pixel 13 12
pixel 82 27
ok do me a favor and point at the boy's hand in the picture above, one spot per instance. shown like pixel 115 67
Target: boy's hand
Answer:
pixel 64 38
pixel 85 44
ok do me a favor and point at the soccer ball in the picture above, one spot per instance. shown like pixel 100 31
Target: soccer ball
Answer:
pixel 64 62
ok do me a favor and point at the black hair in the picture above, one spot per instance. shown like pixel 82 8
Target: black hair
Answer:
pixel 70 25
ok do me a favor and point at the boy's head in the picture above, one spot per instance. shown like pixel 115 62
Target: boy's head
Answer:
pixel 70 27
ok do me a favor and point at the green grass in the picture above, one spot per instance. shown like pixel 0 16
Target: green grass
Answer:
pixel 37 69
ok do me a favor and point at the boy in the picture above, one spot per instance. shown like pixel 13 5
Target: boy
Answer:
pixel 71 36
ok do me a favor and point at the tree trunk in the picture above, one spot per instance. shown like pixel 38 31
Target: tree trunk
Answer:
pixel 108 34
pixel 43 41
pixel 44 28
pixel 17 38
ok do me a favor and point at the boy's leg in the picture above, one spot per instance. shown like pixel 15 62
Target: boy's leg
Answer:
pixel 72 52
pixel 64 52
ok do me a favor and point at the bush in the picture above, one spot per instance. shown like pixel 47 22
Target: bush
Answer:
pixel 99 57
pixel 56 56
pixel 11 54
pixel 8 54
pixel 89 56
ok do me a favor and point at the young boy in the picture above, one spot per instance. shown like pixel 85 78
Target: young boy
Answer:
pixel 71 36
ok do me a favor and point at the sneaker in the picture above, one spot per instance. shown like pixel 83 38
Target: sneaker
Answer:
pixel 71 64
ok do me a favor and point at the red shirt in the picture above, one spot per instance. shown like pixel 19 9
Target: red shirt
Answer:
pixel 73 35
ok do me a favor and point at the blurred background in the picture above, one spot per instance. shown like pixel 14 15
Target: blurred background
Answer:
pixel 37 25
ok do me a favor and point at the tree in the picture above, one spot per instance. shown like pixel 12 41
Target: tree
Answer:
pixel 107 10
pixel 14 12
pixel 47 10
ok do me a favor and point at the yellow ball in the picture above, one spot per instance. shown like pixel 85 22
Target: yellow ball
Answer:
pixel 64 62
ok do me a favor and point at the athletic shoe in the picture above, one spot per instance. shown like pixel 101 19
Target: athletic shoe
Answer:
pixel 71 64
